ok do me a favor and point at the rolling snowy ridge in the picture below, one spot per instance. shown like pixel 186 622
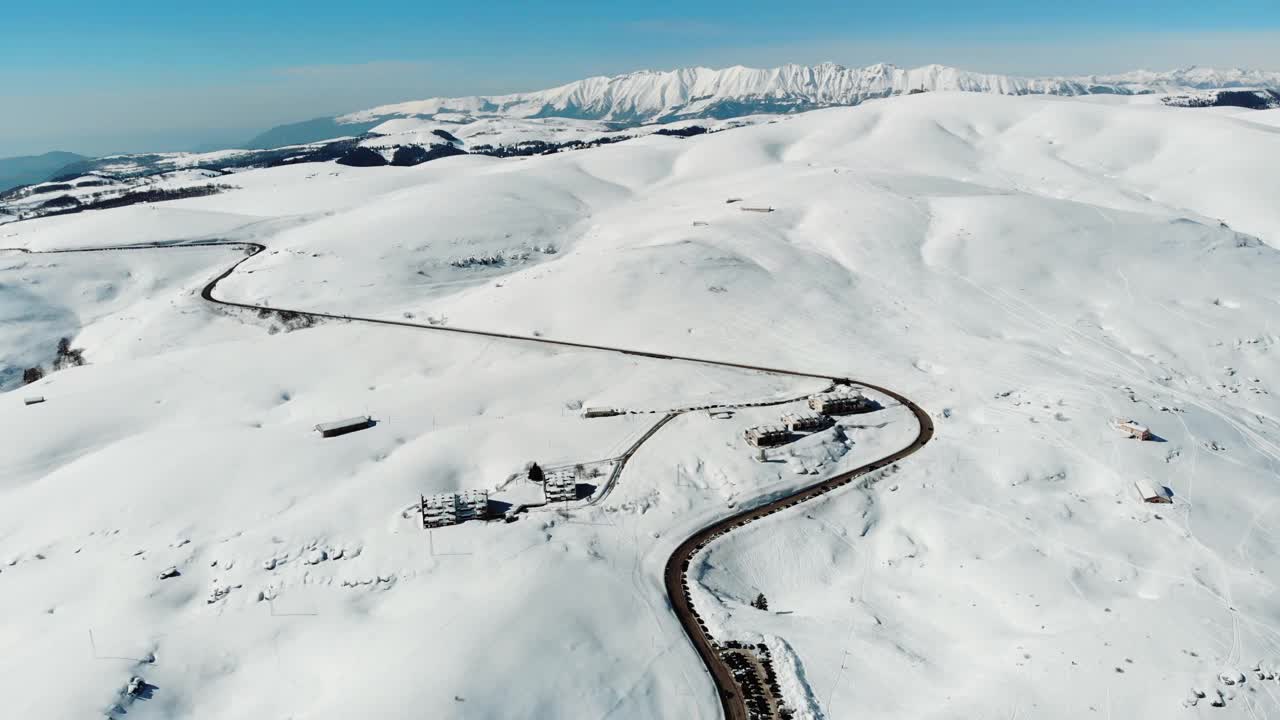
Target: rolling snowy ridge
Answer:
pixel 1024 268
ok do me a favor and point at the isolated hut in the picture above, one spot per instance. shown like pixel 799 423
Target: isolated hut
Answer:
pixel 342 427
pixel 1133 429
pixel 1152 493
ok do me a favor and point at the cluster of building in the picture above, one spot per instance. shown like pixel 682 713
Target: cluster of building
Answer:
pixel 1148 491
pixel 824 405
pixel 447 509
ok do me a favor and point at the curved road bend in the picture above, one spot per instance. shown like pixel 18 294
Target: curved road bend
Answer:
pixel 678 564
pixel 675 580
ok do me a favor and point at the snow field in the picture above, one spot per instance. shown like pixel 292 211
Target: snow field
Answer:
pixel 1026 269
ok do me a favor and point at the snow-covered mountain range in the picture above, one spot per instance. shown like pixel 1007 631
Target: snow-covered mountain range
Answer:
pixel 662 96
pixel 601 110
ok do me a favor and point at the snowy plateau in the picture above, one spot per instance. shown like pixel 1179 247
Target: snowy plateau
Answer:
pixel 177 542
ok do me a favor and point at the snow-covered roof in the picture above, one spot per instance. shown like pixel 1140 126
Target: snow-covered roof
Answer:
pixel 341 424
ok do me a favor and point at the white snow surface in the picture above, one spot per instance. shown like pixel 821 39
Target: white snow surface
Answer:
pixel 1024 268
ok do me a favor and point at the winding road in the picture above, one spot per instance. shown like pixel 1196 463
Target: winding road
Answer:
pixel 674 575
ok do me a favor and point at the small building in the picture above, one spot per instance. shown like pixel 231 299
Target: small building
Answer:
pixel 841 402
pixel 599 412
pixel 805 422
pixel 342 427
pixel 33 400
pixel 1133 429
pixel 561 486
pixel 767 436
pixel 447 509
pixel 473 505
pixel 439 510
pixel 1152 493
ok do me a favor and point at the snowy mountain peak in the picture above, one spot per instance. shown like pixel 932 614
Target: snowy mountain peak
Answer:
pixel 699 92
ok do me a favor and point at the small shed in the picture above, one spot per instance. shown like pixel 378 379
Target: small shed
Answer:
pixel 767 435
pixel 805 422
pixel 33 400
pixel 342 427
pixel 1133 429
pixel 1151 492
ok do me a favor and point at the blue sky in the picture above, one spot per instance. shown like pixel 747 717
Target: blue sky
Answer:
pixel 95 77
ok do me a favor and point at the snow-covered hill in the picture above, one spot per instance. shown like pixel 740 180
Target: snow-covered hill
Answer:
pixel 1025 268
